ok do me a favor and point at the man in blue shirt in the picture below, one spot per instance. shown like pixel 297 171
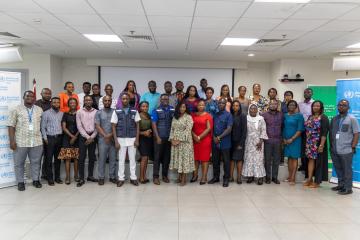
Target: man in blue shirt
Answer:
pixel 161 123
pixel 152 97
pixel 222 143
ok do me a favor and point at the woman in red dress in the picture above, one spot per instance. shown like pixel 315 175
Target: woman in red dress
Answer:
pixel 202 135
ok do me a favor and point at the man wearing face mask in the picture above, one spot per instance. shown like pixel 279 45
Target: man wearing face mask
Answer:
pixel 273 119
pixel 223 122
pixel 52 135
pixel 152 97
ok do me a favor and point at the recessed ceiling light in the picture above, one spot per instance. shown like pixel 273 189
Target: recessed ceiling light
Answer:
pixel 283 1
pixel 102 38
pixel 251 55
pixel 356 45
pixel 239 41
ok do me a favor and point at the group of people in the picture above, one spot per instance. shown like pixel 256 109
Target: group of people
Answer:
pixel 181 131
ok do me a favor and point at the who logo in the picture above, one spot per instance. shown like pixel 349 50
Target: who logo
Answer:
pixel 349 94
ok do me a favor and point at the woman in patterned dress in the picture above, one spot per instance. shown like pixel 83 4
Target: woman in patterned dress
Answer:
pixel 70 147
pixel 316 129
pixel 182 151
pixel 254 146
pixel 260 101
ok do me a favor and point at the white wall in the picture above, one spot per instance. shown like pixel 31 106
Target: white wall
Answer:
pixel 38 66
pixel 56 72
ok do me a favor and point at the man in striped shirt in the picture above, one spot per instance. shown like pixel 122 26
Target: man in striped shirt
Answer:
pixel 51 131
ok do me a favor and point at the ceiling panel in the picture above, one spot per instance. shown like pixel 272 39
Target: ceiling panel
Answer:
pixel 82 19
pixel 19 6
pixel 33 18
pixel 120 7
pixel 256 24
pixel 168 31
pixel 323 11
pixel 5 19
pixel 213 23
pixel 168 21
pixel 93 29
pixel 288 34
pixel 352 15
pixel 300 25
pixel 220 8
pixel 116 20
pixel 271 10
pixel 66 6
pixel 247 33
pixel 340 25
pixel 169 7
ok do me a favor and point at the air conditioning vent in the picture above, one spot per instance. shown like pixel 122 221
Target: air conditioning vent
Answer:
pixel 138 38
pixel 9 35
pixel 273 42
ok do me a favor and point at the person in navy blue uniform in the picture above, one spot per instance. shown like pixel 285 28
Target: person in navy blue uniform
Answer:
pixel 223 122
pixel 161 123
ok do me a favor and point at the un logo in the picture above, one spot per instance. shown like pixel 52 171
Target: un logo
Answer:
pixel 349 94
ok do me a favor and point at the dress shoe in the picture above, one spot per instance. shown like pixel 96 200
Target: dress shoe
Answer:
pixel 194 179
pixel 113 180
pixel 226 183
pixel 101 182
pixel 260 181
pixel 156 181
pixel 214 180
pixel 202 183
pixel 239 181
pixel 91 179
pixel 165 179
pixel 21 186
pixel 120 183
pixel 77 179
pixel 267 180
pixel 134 182
pixel 250 180
pixel 80 183
pixel 58 181
pixel 231 179
pixel 51 183
pixel 345 192
pixel 337 188
pixel 67 181
pixel 37 184
pixel 276 181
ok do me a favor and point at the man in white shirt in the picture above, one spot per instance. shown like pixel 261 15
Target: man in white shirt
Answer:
pixel 108 92
pixel 202 90
pixel 86 91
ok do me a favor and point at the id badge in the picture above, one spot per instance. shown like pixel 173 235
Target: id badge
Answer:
pixel 337 136
pixel 31 127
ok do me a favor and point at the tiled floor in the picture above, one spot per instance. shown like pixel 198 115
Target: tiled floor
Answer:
pixel 170 212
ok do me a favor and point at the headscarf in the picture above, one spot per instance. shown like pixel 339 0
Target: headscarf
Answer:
pixel 255 119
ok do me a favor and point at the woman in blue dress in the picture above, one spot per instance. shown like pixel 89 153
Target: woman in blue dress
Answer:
pixel 210 104
pixel 293 126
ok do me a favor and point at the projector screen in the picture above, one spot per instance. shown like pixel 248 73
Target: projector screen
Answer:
pixel 118 76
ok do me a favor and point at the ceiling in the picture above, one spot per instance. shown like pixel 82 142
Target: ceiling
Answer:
pixel 181 29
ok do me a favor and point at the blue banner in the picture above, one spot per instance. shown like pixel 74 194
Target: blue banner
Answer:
pixel 349 89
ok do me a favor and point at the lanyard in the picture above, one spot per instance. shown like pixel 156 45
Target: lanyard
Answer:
pixel 341 121
pixel 30 113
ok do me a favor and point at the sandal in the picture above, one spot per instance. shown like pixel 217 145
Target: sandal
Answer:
pixel 67 181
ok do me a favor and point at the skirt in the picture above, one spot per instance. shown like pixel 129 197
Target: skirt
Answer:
pixel 69 153
pixel 146 146
pixel 237 154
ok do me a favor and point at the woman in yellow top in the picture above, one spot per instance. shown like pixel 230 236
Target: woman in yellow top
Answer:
pixel 65 96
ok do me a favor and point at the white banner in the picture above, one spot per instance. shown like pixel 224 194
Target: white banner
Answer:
pixel 10 96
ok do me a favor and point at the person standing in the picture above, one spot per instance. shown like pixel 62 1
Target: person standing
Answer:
pixel 191 98
pixel 223 122
pixel 96 95
pixel 108 92
pixel 272 95
pixel 168 90
pixel 85 122
pixel 211 105
pixel 45 104
pixel 52 135
pixel 106 143
pixel 152 97
pixel 161 124
pixel 179 94
pixel 86 91
pixel 202 138
pixel 25 139
pixel 146 143
pixel 182 153
pixel 274 121
pixel 254 146
pixel 70 145
pixel 316 129
pixel 202 90
pixel 288 95
pixel 238 137
pixel 260 101
pixel 134 97
pixel 293 127
pixel 225 93
pixel 244 102
pixel 125 128
pixel 65 96
pixel 344 137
